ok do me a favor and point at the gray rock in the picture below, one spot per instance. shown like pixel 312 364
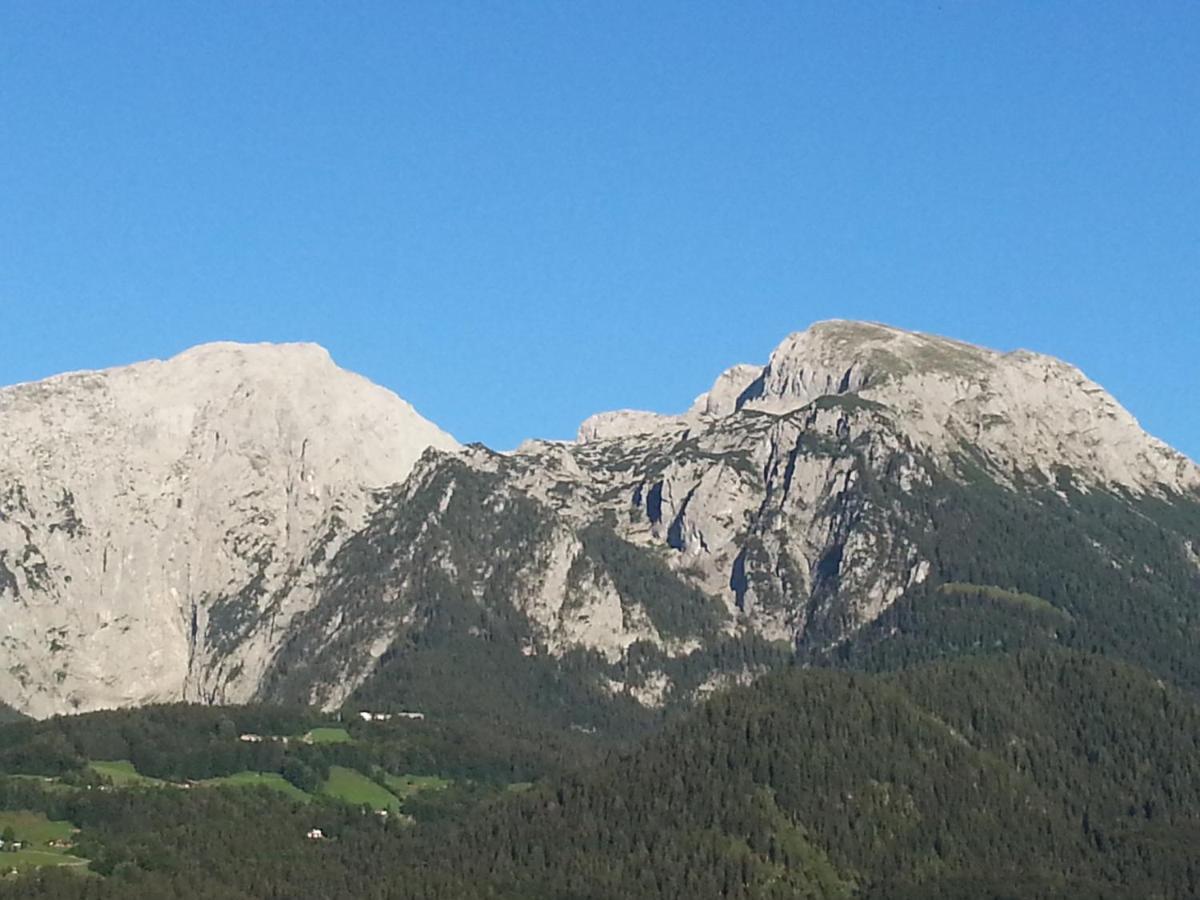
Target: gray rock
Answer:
pixel 148 514
pixel 252 522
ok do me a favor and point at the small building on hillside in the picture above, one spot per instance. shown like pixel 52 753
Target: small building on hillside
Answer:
pixel 368 716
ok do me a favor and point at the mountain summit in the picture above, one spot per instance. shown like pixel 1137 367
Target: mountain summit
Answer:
pixel 251 522
pixel 139 505
pixel 1021 411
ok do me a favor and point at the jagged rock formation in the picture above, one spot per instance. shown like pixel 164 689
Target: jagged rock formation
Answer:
pixel 721 399
pixel 656 558
pixel 146 512
pixel 797 496
pixel 1022 411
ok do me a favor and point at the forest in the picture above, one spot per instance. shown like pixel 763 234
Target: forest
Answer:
pixel 1040 773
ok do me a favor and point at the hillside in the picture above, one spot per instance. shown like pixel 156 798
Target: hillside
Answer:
pixel 1035 775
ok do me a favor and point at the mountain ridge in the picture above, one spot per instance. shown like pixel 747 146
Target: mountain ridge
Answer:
pixel 259 500
pixel 952 385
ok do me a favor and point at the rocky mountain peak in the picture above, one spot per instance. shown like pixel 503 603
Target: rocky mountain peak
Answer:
pixel 837 357
pixel 137 502
pixel 1021 412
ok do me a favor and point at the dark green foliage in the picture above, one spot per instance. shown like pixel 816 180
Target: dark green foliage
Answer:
pixel 1116 569
pixel 1044 773
pixel 300 774
pixel 209 844
pixel 973 778
pixel 497 714
pixel 482 535
pixel 439 567
pixel 946 622
pixel 733 657
pixel 849 403
pixel 174 742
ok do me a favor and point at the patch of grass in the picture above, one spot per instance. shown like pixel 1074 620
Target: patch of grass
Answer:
pixel 34 827
pixel 122 773
pixel 404 786
pixel 328 736
pixel 35 832
pixel 272 780
pixel 353 787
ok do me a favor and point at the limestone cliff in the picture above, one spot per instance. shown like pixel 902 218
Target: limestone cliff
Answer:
pixel 252 522
pixel 146 512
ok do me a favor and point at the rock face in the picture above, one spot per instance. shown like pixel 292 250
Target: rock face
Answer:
pixel 251 522
pixel 790 506
pixel 145 510
pixel 1021 410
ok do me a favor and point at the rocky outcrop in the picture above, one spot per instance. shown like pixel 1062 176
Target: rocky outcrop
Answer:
pixel 624 423
pixel 726 393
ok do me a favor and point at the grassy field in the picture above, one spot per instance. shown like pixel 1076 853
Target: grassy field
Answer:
pixel 328 736
pixel 122 773
pixel 343 784
pixel 404 786
pixel 354 787
pixel 272 780
pixel 35 827
pixel 36 832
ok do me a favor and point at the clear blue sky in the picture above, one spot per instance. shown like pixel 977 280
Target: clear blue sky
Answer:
pixel 516 214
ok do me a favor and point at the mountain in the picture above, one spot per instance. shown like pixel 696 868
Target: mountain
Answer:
pixel 890 616
pixel 864 475
pixel 146 511
pixel 274 529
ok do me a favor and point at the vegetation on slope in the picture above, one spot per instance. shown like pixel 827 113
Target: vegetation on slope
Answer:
pixel 1042 773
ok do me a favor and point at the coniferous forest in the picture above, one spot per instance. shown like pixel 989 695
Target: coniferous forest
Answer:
pixel 1041 773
